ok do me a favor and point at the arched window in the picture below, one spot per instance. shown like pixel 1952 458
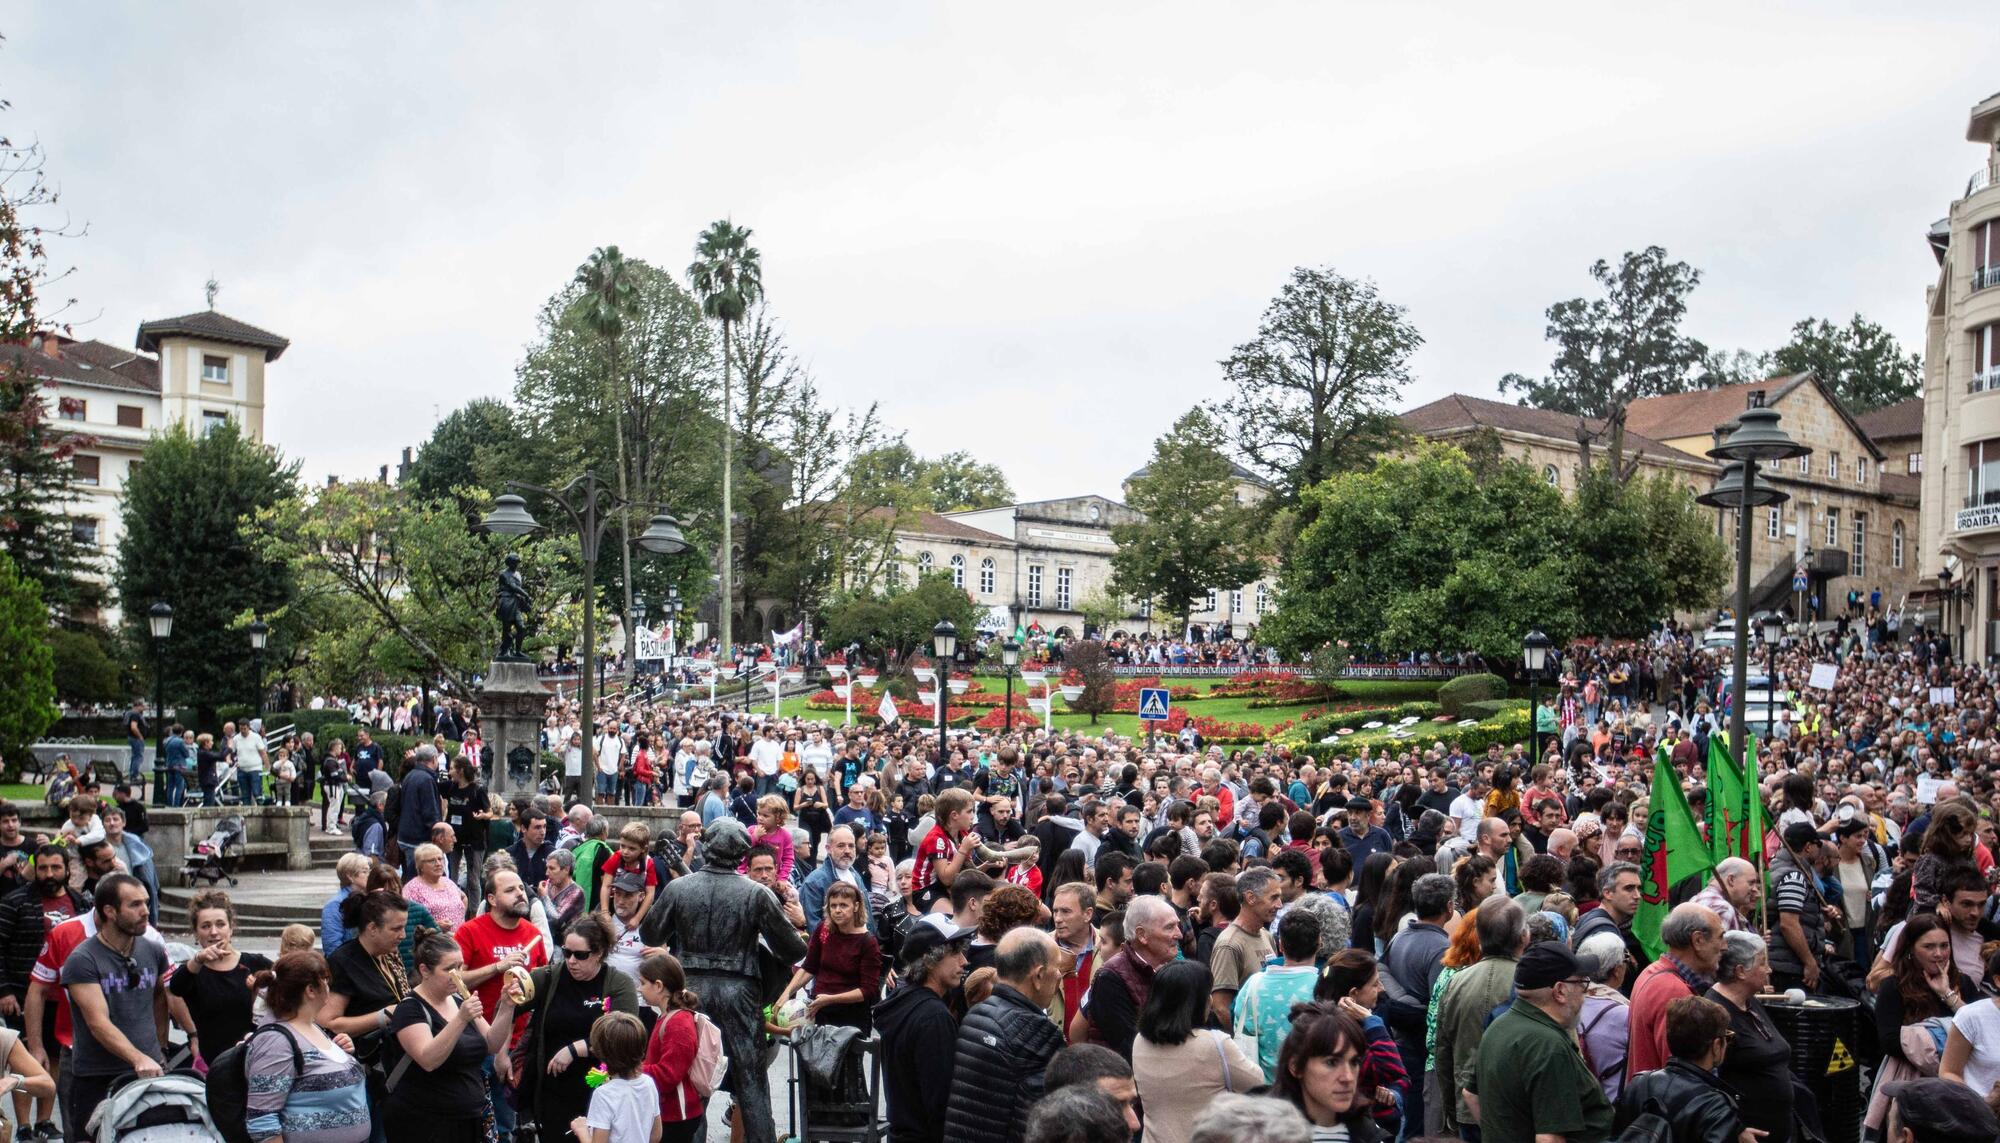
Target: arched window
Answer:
pixel 986 576
pixel 923 563
pixel 1263 598
pixel 1896 544
pixel 1553 477
pixel 958 572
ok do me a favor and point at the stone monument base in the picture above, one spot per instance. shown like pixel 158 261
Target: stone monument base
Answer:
pixel 512 705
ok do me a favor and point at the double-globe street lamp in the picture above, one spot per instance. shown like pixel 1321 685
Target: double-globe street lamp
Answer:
pixel 1755 439
pixel 944 641
pixel 1535 650
pixel 590 504
pixel 160 621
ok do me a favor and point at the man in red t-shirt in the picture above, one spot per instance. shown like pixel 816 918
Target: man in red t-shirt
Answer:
pixel 945 850
pixel 491 943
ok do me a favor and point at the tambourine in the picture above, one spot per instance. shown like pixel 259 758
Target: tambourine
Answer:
pixel 519 987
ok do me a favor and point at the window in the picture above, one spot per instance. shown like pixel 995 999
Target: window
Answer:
pixel 1805 465
pixel 923 564
pixel 1550 475
pixel 1236 602
pixel 1210 605
pixel 1860 567
pixel 1896 545
pixel 1986 358
pixel 1833 465
pixel 84 529
pixel 1861 471
pixel 986 576
pixel 1034 585
pixel 86 468
pixel 1065 588
pixel 1263 598
pixel 71 408
pixel 131 417
pixel 1914 463
pixel 212 420
pixel 214 370
pixel 1773 524
pixel 958 572
pixel 1833 527
pixel 1982 474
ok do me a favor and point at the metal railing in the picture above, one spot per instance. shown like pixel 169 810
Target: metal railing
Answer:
pixel 1985 276
pixel 1985 381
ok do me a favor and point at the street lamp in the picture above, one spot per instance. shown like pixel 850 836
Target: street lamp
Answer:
pixel 1770 630
pixel 1010 658
pixel 674 637
pixel 160 619
pixel 944 641
pixel 1535 648
pixel 1948 608
pixel 588 501
pixel 260 634
pixel 1755 439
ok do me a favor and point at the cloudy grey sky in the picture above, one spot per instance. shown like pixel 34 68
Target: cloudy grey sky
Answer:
pixel 1029 230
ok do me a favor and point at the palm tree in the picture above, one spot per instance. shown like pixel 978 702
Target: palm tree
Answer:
pixel 728 276
pixel 608 299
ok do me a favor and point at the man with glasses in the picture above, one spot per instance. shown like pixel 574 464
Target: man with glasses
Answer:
pixel 1693 936
pixel 1532 1083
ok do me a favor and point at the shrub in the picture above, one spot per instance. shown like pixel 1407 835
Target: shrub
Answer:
pixel 394 746
pixel 1471 688
pixel 1314 729
pixel 1485 709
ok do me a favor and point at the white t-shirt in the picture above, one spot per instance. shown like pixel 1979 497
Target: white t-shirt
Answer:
pixel 627 1108
pixel 249 747
pixel 818 755
pixel 766 753
pixel 610 748
pixel 1466 809
pixel 1979 1023
pixel 626 947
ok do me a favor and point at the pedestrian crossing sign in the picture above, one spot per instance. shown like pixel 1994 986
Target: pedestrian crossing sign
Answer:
pixel 1153 704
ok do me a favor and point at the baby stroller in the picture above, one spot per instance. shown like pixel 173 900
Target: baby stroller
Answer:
pixel 215 860
pixel 170 1108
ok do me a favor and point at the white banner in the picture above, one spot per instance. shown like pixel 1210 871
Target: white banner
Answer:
pixel 1823 676
pixel 888 708
pixel 649 643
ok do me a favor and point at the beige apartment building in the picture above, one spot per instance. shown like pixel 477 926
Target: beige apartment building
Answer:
pixel 1961 428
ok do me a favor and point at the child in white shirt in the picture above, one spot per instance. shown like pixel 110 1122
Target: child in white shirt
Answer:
pixel 626 1107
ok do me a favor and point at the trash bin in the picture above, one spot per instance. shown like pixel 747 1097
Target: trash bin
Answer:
pixel 1823 1032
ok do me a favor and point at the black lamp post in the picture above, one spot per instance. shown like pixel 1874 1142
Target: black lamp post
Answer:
pixel 588 501
pixel 1771 629
pixel 944 642
pixel 1535 648
pixel 743 668
pixel 160 620
pixel 260 634
pixel 1948 607
pixel 1010 658
pixel 1755 439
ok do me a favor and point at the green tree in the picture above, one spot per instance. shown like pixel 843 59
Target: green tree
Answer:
pixel 85 674
pixel 1100 681
pixel 1861 362
pixel 27 686
pixel 728 276
pixel 1735 367
pixel 959 482
pixel 898 623
pixel 474 446
pixel 608 300
pixel 1313 390
pixel 1613 350
pixel 189 542
pixel 1195 536
pixel 1102 610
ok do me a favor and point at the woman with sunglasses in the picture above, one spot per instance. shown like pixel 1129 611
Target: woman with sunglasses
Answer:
pixel 569 997
pixel 1698 1106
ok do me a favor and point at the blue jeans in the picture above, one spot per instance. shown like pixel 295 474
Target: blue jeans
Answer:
pixel 134 767
pixel 642 794
pixel 177 784
pixel 607 785
pixel 503 1107
pixel 251 783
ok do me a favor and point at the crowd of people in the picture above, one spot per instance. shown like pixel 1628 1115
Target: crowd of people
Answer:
pixel 1071 935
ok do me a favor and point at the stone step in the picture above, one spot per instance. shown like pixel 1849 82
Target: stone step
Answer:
pixel 174 901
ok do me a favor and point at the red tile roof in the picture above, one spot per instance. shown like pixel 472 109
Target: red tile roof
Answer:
pixel 1699 412
pixel 92 363
pixel 1899 421
pixel 1460 411
pixel 214 327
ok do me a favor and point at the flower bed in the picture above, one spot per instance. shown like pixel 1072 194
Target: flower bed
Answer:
pixel 1505 730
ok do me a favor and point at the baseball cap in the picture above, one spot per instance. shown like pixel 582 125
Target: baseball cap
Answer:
pixel 630 881
pixel 1799 835
pixel 1544 964
pixel 923 938
pixel 1940 1111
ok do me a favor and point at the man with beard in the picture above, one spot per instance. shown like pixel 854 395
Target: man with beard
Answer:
pixel 495 941
pixel 714 920
pixel 17 850
pixel 1532 1083
pixel 99 860
pixel 117 999
pixel 27 916
pixel 628 905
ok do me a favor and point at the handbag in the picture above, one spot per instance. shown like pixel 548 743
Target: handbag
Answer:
pixel 1222 1053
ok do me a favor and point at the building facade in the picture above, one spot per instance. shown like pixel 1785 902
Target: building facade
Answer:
pixel 1961 426
pixel 200 369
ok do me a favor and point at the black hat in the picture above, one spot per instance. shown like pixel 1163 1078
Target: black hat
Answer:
pixel 1850 827
pixel 630 881
pixel 1940 1111
pixel 922 938
pixel 1799 835
pixel 1544 964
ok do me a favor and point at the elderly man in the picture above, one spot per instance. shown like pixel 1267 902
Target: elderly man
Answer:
pixel 1562 844
pixel 1532 1084
pixel 838 866
pixel 1469 998
pixel 920 1035
pixel 421 808
pixel 1006 1042
pixel 1152 939
pixel 1693 936
pixel 1731 894
pixel 713 920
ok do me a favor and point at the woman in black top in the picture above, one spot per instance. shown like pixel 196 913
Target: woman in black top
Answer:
pixel 437 1090
pixel 367 981
pixel 569 997
pixel 207 768
pixel 214 984
pixel 1759 1059
pixel 467 810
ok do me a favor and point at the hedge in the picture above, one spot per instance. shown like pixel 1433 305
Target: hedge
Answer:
pixel 1471 688
pixel 1485 709
pixel 1506 730
pixel 1318 728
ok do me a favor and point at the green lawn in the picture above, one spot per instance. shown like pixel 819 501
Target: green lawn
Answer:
pixel 20 792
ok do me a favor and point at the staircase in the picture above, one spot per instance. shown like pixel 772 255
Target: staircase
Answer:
pixel 254 919
pixel 326 851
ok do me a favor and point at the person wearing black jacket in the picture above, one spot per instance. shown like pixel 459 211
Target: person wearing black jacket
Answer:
pixel 421 808
pixel 28 913
pixel 920 1035
pixel 1005 1042
pixel 1054 832
pixel 1686 1093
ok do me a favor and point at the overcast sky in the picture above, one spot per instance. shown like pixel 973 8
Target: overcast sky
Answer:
pixel 1029 230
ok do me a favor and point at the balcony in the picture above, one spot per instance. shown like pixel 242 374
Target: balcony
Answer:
pixel 1986 381
pixel 1982 178
pixel 1985 276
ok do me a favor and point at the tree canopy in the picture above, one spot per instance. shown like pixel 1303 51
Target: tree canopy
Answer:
pixel 1195 536
pixel 899 621
pixel 27 686
pixel 1860 361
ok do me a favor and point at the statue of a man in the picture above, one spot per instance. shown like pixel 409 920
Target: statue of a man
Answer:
pixel 510 605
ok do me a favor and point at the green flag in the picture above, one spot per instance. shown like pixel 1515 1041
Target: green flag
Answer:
pixel 1735 805
pixel 1752 848
pixel 1675 851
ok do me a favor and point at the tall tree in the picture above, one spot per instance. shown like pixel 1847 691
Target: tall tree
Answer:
pixel 728 276
pixel 188 523
pixel 27 686
pixel 609 298
pixel 1613 350
pixel 958 482
pixel 1313 389
pixel 1195 536
pixel 475 446
pixel 1860 361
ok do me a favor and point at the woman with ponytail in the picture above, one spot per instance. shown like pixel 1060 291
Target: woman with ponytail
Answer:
pixel 437 1086
pixel 326 1100
pixel 670 1051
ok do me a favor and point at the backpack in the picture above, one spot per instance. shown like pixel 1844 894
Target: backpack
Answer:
pixel 710 1064
pixel 229 1084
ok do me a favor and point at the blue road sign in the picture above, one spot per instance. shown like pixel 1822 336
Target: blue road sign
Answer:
pixel 1153 704
pixel 1798 583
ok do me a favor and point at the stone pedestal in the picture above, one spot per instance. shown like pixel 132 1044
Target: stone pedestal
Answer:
pixel 512 705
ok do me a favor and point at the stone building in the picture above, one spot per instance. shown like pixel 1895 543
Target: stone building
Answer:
pixel 199 369
pixel 1960 544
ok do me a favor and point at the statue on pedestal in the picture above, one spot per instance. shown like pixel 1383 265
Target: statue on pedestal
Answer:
pixel 510 605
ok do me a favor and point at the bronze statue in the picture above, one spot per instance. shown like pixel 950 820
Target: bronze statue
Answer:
pixel 510 605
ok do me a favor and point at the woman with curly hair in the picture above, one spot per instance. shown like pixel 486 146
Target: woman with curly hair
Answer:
pixel 1475 876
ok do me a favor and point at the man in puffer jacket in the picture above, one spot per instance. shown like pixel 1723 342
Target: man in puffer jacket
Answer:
pixel 1005 1043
